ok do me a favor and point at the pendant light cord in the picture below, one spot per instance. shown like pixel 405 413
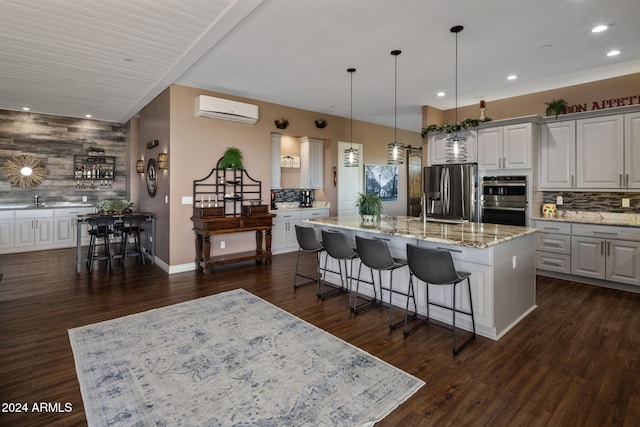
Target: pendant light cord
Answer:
pixel 456 30
pixel 351 71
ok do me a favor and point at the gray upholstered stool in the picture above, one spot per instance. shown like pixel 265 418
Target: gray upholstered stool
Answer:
pixel 308 242
pixel 375 254
pixel 339 248
pixel 435 267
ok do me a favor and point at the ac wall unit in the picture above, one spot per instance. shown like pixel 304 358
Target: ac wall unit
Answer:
pixel 225 109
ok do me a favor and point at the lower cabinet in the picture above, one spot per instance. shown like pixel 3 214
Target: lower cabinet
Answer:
pixel 6 230
pixel 33 228
pixel 284 232
pixel 601 252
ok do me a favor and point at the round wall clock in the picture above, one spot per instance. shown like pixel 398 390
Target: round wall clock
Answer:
pixel 152 177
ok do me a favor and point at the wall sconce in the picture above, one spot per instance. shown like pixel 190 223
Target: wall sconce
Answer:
pixel 163 160
pixel 140 166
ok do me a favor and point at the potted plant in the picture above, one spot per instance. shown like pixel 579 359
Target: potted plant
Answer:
pixel 556 107
pixel 282 123
pixel 232 158
pixel 116 206
pixel 95 151
pixel 369 207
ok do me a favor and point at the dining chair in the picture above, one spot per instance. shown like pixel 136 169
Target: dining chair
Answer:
pixel 100 232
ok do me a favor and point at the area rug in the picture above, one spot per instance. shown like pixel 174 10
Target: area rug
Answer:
pixel 231 359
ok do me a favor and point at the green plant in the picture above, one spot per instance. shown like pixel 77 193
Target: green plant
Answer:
pixel 556 107
pixel 282 123
pixel 115 205
pixel 369 204
pixel 232 158
pixel 93 149
pixel 448 127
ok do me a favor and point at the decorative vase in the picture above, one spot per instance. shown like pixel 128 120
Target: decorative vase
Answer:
pixel 549 210
pixel 321 124
pixel 368 220
pixel 282 123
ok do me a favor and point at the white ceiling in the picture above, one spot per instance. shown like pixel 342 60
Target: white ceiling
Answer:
pixel 111 57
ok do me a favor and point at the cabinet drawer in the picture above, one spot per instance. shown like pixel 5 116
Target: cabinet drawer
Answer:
pixel 72 211
pixel 550 242
pixel 6 214
pixel 606 232
pixel 560 263
pixel 553 227
pixel 315 213
pixel 287 216
pixel 34 213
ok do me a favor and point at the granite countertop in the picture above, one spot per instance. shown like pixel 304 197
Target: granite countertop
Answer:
pixel 295 206
pixel 598 218
pixel 44 205
pixel 471 234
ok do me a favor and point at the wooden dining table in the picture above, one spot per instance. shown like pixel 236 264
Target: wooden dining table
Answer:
pixel 149 240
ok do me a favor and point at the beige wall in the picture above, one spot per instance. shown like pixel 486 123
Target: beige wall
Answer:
pixel 197 143
pixel 534 104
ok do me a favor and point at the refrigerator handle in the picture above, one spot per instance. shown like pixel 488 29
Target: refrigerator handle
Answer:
pixel 462 189
pixel 447 190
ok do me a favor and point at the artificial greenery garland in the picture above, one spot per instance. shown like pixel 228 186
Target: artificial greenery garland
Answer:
pixel 448 127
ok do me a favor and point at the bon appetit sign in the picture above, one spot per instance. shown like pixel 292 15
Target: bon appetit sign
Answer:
pixel 605 103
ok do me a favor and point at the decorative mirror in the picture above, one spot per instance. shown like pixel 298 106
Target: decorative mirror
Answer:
pixel 152 180
pixel 25 171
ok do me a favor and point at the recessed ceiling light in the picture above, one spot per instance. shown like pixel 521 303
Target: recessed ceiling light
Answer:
pixel 26 108
pixel 88 116
pixel 613 52
pixel 512 77
pixel 440 94
pixel 599 28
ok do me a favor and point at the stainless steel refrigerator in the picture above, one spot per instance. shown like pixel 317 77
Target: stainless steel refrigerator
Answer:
pixel 452 192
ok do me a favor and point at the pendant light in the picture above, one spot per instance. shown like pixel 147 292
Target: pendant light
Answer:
pixel 456 146
pixel 351 156
pixel 395 150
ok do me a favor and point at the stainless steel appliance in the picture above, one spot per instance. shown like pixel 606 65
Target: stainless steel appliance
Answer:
pixel 504 200
pixel 451 192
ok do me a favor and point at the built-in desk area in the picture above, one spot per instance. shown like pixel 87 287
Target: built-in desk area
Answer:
pixel 149 241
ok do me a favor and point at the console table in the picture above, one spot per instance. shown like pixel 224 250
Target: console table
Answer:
pixel 207 226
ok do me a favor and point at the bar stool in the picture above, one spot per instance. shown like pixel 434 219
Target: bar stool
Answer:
pixel 338 248
pixel 308 242
pixel 101 228
pixel 435 267
pixel 375 254
pixel 132 227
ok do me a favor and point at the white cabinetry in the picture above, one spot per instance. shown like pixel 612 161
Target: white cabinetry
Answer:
pixel 6 230
pixel 600 152
pixel 437 148
pixel 553 246
pixel 311 163
pixel 275 160
pixel 558 154
pixel 65 226
pixel 33 228
pixel 506 147
pixel 600 252
pixel 284 232
pixel 632 150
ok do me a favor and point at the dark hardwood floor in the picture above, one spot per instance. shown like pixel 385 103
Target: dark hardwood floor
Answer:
pixel 575 361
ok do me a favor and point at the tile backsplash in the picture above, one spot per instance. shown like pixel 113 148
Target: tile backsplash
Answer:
pixel 594 202
pixel 290 194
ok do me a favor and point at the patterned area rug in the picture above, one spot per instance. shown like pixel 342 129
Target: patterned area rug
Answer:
pixel 230 359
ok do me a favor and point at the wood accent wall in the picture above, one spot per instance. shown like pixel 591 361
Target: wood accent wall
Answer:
pixel 56 140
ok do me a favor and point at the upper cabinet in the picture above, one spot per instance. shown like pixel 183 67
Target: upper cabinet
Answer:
pixel 311 163
pixel 439 153
pixel 632 150
pixel 506 147
pixel 591 154
pixel 557 154
pixel 600 152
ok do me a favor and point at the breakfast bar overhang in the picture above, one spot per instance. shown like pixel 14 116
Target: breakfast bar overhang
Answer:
pixel 500 258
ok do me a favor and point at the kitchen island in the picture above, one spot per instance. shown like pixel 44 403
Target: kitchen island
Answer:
pixel 500 258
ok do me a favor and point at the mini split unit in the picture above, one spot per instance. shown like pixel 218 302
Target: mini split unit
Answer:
pixel 225 109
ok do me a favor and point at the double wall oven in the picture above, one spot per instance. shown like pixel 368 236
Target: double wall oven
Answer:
pixel 504 200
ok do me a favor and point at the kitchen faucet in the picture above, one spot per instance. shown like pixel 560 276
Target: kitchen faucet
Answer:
pixel 36 200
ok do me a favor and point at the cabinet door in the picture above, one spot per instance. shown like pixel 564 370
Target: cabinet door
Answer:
pixel 24 232
pixel 6 232
pixel 632 150
pixel 43 231
pixel 64 230
pixel 517 146
pixel 600 152
pixel 437 149
pixel 490 148
pixel 557 155
pixel 623 261
pixel 588 257
pixel 311 163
